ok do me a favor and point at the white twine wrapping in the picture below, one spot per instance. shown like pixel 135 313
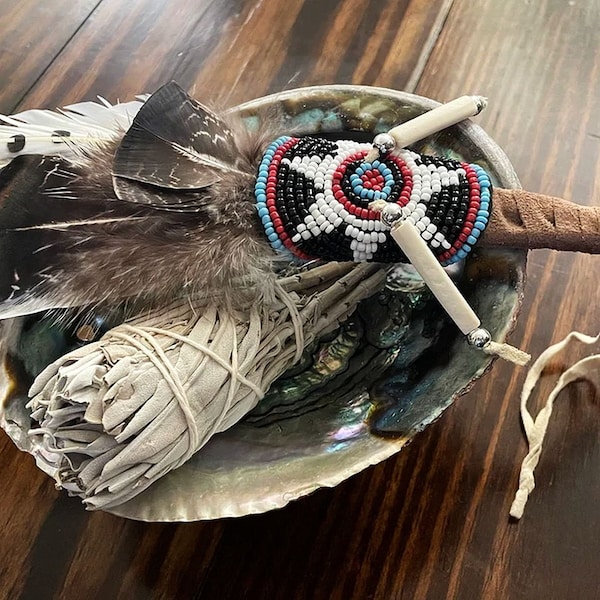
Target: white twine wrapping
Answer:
pixel 116 415
pixel 535 429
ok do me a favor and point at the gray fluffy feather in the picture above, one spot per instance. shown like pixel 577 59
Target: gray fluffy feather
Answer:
pixel 140 239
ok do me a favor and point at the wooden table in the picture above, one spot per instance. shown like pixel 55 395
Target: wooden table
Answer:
pixel 431 522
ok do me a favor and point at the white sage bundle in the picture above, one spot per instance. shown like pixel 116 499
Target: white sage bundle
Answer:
pixel 116 415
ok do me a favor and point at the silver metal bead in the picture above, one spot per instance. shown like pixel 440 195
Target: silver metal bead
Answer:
pixel 391 213
pixel 384 142
pixel 479 337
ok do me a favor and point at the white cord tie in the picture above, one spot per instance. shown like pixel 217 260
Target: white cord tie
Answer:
pixel 507 352
pixel 535 429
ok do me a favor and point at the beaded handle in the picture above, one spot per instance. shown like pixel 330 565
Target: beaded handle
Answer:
pixel 313 196
pixel 315 199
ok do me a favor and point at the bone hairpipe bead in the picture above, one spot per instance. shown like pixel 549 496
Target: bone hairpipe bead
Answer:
pixel 428 123
pixel 412 244
pixel 437 119
pixel 438 281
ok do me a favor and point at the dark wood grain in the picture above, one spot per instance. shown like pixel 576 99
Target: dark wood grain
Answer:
pixel 431 522
pixel 238 50
pixel 542 81
pixel 33 33
pixel 123 50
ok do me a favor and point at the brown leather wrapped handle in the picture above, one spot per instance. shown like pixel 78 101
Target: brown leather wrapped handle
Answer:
pixel 522 219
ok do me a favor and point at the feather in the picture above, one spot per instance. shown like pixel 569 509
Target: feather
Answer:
pixel 65 133
pixel 68 238
pixel 174 142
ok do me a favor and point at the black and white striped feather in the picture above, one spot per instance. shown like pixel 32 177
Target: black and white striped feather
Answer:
pixel 65 133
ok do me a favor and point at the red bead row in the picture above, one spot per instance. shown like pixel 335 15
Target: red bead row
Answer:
pixel 364 213
pixel 271 194
pixel 474 202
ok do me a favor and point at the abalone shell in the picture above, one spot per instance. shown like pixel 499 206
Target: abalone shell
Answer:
pixel 365 391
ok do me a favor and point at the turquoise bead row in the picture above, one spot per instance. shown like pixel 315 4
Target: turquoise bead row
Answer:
pixel 260 191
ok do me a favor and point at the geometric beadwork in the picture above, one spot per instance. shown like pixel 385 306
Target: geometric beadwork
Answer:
pixel 313 196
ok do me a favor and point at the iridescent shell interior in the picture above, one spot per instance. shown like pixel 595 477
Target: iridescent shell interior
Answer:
pixel 361 394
